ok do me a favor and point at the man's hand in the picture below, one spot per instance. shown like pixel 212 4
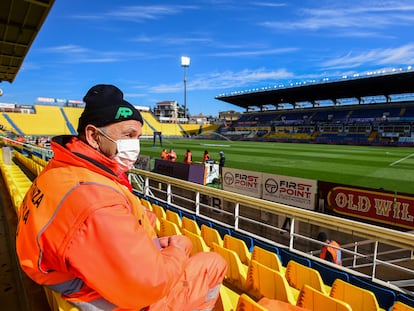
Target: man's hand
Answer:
pixel 178 241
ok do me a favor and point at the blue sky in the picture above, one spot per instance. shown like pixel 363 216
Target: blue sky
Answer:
pixel 233 45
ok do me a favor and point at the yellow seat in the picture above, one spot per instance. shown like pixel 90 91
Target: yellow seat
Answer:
pixel 358 298
pixel 168 228
pixel 191 225
pixel 236 271
pixel 198 243
pixel 159 211
pixel 210 236
pixel 227 299
pixel 298 275
pixel 239 246
pixel 245 303
pixel 263 281
pixel 147 204
pixel 312 299
pixel 267 258
pixel 57 303
pixel 399 306
pixel 174 217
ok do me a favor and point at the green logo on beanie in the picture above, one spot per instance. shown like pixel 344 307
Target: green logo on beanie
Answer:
pixel 123 112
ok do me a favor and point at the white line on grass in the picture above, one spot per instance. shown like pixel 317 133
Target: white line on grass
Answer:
pixel 402 159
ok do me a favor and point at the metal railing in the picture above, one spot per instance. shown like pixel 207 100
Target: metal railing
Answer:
pixel 366 247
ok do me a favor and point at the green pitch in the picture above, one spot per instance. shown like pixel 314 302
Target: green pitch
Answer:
pixel 389 168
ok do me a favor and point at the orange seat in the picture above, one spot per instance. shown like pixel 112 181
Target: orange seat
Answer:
pixel 313 299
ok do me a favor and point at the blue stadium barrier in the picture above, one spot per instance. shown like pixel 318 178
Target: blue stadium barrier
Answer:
pixel 222 230
pixel 329 274
pixel 385 296
pixel 408 300
pixel 286 255
pixel 248 240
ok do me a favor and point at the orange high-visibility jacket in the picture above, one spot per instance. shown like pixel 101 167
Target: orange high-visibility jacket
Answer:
pixel 188 158
pixel 334 251
pixel 82 233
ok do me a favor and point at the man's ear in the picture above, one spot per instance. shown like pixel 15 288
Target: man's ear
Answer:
pixel 92 136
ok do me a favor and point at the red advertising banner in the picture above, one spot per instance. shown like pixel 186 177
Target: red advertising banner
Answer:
pixel 372 205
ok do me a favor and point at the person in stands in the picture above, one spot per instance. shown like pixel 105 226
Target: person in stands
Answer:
pixel 222 162
pixel 83 233
pixel 164 154
pixel 331 251
pixel 172 155
pixel 206 156
pixel 188 158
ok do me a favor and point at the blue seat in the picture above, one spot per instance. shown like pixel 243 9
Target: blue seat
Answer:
pixel 248 240
pixel 329 274
pixel 202 221
pixel 222 230
pixel 188 215
pixel 286 256
pixel 385 296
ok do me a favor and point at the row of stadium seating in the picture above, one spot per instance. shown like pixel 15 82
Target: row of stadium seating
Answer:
pixel 257 269
pixel 262 270
pixel 54 120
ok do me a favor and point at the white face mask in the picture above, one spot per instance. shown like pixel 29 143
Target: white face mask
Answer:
pixel 127 151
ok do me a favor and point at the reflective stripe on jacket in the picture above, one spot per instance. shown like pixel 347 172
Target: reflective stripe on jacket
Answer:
pixel 83 233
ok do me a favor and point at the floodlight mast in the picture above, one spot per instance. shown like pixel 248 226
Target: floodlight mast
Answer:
pixel 185 63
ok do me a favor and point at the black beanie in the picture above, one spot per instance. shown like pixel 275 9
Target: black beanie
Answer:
pixel 105 105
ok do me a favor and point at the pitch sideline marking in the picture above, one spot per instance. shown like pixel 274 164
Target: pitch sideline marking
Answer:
pixel 402 159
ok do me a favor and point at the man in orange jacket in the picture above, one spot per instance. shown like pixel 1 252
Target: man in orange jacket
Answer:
pixel 83 234
pixel 331 251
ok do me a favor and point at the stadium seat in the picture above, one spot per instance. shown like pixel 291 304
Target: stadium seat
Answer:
pixel 222 230
pixel 267 258
pixel 159 211
pixel 198 243
pixel 147 204
pixel 236 271
pixel 329 274
pixel 406 299
pixel 358 298
pixel 227 299
pixel 191 225
pixel 287 255
pixel 263 281
pixel 385 296
pixel 298 275
pixel 245 303
pixel 202 221
pixel 247 239
pixel 313 299
pixel 56 302
pixel 168 228
pixel 239 246
pixel 267 246
pixel 211 235
pixel 173 217
pixel 400 306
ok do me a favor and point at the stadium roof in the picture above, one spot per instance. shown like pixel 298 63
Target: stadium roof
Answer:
pixel 20 21
pixel 399 82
